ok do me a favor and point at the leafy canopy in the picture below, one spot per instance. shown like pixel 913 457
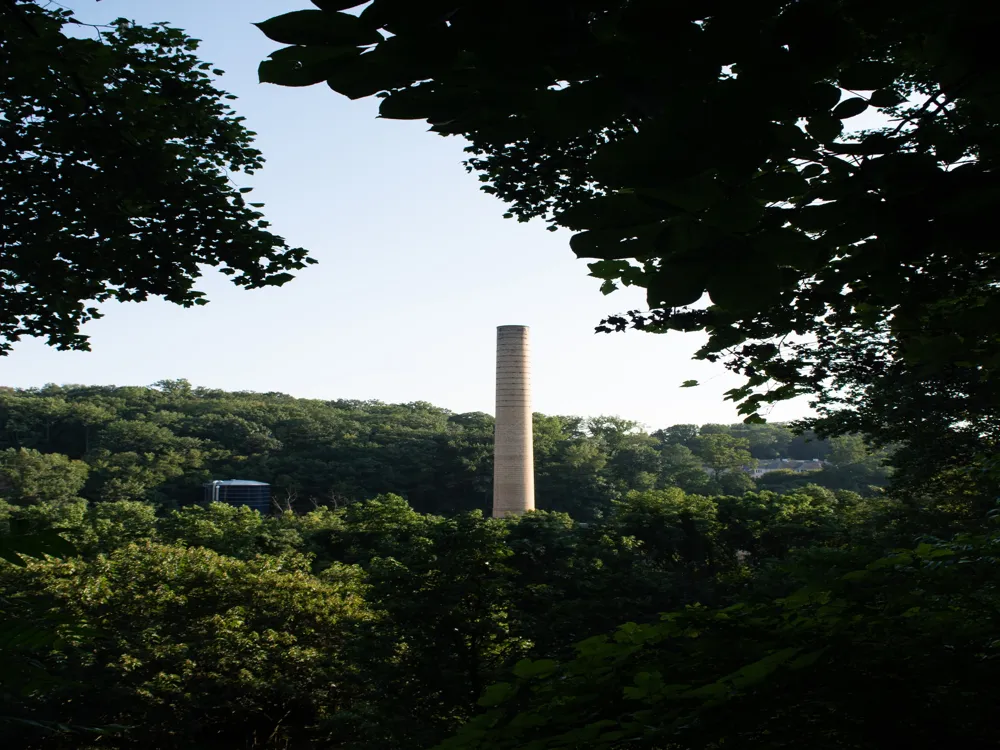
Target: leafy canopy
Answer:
pixel 709 147
pixel 897 651
pixel 116 155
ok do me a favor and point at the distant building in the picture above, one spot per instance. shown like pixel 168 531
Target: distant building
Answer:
pixel 237 492
pixel 766 466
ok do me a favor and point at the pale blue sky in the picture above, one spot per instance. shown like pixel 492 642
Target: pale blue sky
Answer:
pixel 417 268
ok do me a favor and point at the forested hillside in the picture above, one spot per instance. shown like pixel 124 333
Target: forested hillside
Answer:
pixel 159 444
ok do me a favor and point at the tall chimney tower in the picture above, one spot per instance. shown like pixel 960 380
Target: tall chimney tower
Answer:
pixel 513 451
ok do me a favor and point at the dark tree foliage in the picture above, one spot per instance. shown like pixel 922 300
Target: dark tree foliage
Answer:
pixel 116 152
pixel 707 146
pixel 899 652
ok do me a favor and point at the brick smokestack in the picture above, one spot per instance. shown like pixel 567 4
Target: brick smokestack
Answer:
pixel 513 454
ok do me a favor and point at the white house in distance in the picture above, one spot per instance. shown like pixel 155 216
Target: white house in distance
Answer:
pixel 789 464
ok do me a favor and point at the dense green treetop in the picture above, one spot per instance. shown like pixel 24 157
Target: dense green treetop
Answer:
pixel 720 451
pixel 117 152
pixel 28 477
pixel 367 626
pixel 900 650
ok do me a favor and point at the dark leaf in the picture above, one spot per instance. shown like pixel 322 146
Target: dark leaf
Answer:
pixel 496 694
pixel 303 66
pixel 885 98
pixel 818 218
pixel 644 159
pixel 685 234
pixel 694 194
pixel 333 5
pixel 405 16
pixel 787 247
pixel 677 283
pixel 745 285
pixel 738 213
pixel 613 244
pixel 527 668
pixel 824 128
pixel 609 211
pixel 608 269
pixel 309 27
pixel 371 73
pixel 823 96
pixel 849 108
pixel 877 143
pixel 420 103
pixel 867 76
pixel 779 186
